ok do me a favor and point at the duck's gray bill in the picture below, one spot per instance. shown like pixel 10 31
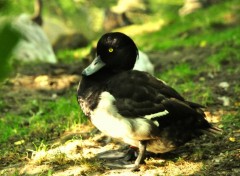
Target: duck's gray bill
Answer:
pixel 96 65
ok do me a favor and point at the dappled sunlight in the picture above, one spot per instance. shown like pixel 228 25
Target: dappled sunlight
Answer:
pixel 147 27
pixel 181 167
pixel 72 170
pixel 214 117
pixel 75 156
pixel 34 170
pixel 78 157
pixel 45 82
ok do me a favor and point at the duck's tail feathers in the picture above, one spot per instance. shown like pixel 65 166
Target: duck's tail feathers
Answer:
pixel 213 131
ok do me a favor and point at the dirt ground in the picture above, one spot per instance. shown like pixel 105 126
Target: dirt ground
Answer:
pixel 205 156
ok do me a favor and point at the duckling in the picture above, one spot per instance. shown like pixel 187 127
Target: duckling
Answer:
pixel 134 106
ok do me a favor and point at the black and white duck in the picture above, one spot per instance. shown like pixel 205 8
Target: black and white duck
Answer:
pixel 134 106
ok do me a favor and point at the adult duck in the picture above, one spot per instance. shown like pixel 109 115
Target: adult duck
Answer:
pixel 134 106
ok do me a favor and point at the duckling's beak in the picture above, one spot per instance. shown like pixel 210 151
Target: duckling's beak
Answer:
pixel 96 65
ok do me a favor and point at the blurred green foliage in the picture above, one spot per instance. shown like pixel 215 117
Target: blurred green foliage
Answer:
pixel 86 16
pixel 3 5
pixel 79 15
pixel 9 38
pixel 213 25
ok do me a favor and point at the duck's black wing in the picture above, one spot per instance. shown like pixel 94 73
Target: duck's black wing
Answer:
pixel 140 95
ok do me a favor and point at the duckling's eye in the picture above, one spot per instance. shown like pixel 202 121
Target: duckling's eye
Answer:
pixel 110 50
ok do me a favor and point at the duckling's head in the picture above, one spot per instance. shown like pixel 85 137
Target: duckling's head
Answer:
pixel 116 52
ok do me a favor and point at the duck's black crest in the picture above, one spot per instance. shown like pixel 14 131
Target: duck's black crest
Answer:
pixel 112 46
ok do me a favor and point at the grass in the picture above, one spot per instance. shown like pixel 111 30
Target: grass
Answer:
pixel 193 29
pixel 183 78
pixel 180 73
pixel 228 53
pixel 39 117
pixel 231 119
pixel 69 56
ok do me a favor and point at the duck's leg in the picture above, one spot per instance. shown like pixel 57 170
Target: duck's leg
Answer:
pixel 141 156
pixel 142 150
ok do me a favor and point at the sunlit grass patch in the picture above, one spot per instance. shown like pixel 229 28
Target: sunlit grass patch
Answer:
pixel 231 119
pixel 179 167
pixel 73 153
pixel 39 154
pixel 182 78
pixel 11 126
pixel 196 92
pixel 69 56
pixel 224 55
pixel 180 73
pixel 41 118
pixel 210 26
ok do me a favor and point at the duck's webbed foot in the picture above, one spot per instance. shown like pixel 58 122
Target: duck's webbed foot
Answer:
pixel 122 161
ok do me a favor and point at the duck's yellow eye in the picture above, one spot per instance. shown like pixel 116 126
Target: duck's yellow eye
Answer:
pixel 110 50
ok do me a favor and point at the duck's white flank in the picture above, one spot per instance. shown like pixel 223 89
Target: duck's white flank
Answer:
pixel 107 119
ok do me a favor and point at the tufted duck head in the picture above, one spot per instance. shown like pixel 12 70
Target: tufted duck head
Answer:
pixel 116 52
